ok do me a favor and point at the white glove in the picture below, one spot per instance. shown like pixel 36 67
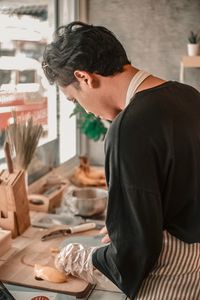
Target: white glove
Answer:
pixel 76 259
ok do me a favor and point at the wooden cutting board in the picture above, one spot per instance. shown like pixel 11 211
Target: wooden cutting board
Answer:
pixel 16 272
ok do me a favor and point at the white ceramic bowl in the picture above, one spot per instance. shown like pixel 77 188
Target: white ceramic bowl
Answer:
pixel 86 201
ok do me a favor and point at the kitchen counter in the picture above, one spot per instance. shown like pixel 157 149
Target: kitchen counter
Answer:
pixel 31 237
pixel 25 293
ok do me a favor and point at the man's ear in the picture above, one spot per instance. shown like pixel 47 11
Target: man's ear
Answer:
pixel 85 77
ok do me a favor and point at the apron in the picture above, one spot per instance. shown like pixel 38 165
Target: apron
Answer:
pixel 137 79
pixel 176 275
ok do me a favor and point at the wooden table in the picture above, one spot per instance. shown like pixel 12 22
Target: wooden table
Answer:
pixel 31 237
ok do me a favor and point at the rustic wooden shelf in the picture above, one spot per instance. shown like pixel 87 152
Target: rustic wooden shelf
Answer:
pixel 188 62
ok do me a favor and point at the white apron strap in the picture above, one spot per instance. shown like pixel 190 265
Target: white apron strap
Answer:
pixel 137 79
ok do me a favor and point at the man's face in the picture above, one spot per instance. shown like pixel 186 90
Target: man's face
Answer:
pixel 75 94
pixel 90 95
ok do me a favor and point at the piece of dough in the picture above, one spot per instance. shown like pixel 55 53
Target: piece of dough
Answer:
pixel 49 274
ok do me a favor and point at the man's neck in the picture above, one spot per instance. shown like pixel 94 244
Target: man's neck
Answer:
pixel 125 79
pixel 116 87
pixel 120 84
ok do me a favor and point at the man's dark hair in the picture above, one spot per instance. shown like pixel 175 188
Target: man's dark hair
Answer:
pixel 79 46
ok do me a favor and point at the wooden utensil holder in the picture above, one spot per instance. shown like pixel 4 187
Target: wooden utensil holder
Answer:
pixel 5 241
pixel 14 208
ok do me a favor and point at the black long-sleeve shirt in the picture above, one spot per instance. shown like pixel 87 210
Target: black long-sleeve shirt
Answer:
pixel 153 175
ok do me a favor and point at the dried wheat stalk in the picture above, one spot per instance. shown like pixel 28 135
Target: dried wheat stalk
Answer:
pixel 23 137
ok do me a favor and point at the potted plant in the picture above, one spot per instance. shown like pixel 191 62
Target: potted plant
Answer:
pixel 94 128
pixel 193 45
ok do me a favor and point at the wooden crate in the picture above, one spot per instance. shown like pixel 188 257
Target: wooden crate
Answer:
pixel 47 194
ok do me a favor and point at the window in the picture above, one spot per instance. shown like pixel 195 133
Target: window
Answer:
pixel 24 32
pixel 68 139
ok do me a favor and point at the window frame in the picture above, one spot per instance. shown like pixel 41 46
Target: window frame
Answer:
pixel 60 12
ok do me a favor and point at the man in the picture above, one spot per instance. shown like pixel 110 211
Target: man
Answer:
pixel 152 166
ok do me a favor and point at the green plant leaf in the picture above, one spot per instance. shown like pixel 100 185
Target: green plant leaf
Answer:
pixel 89 125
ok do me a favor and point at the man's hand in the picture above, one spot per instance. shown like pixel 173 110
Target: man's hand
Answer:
pixel 106 238
pixel 76 259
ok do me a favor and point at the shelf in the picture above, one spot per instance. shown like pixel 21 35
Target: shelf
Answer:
pixel 188 62
pixel 191 61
